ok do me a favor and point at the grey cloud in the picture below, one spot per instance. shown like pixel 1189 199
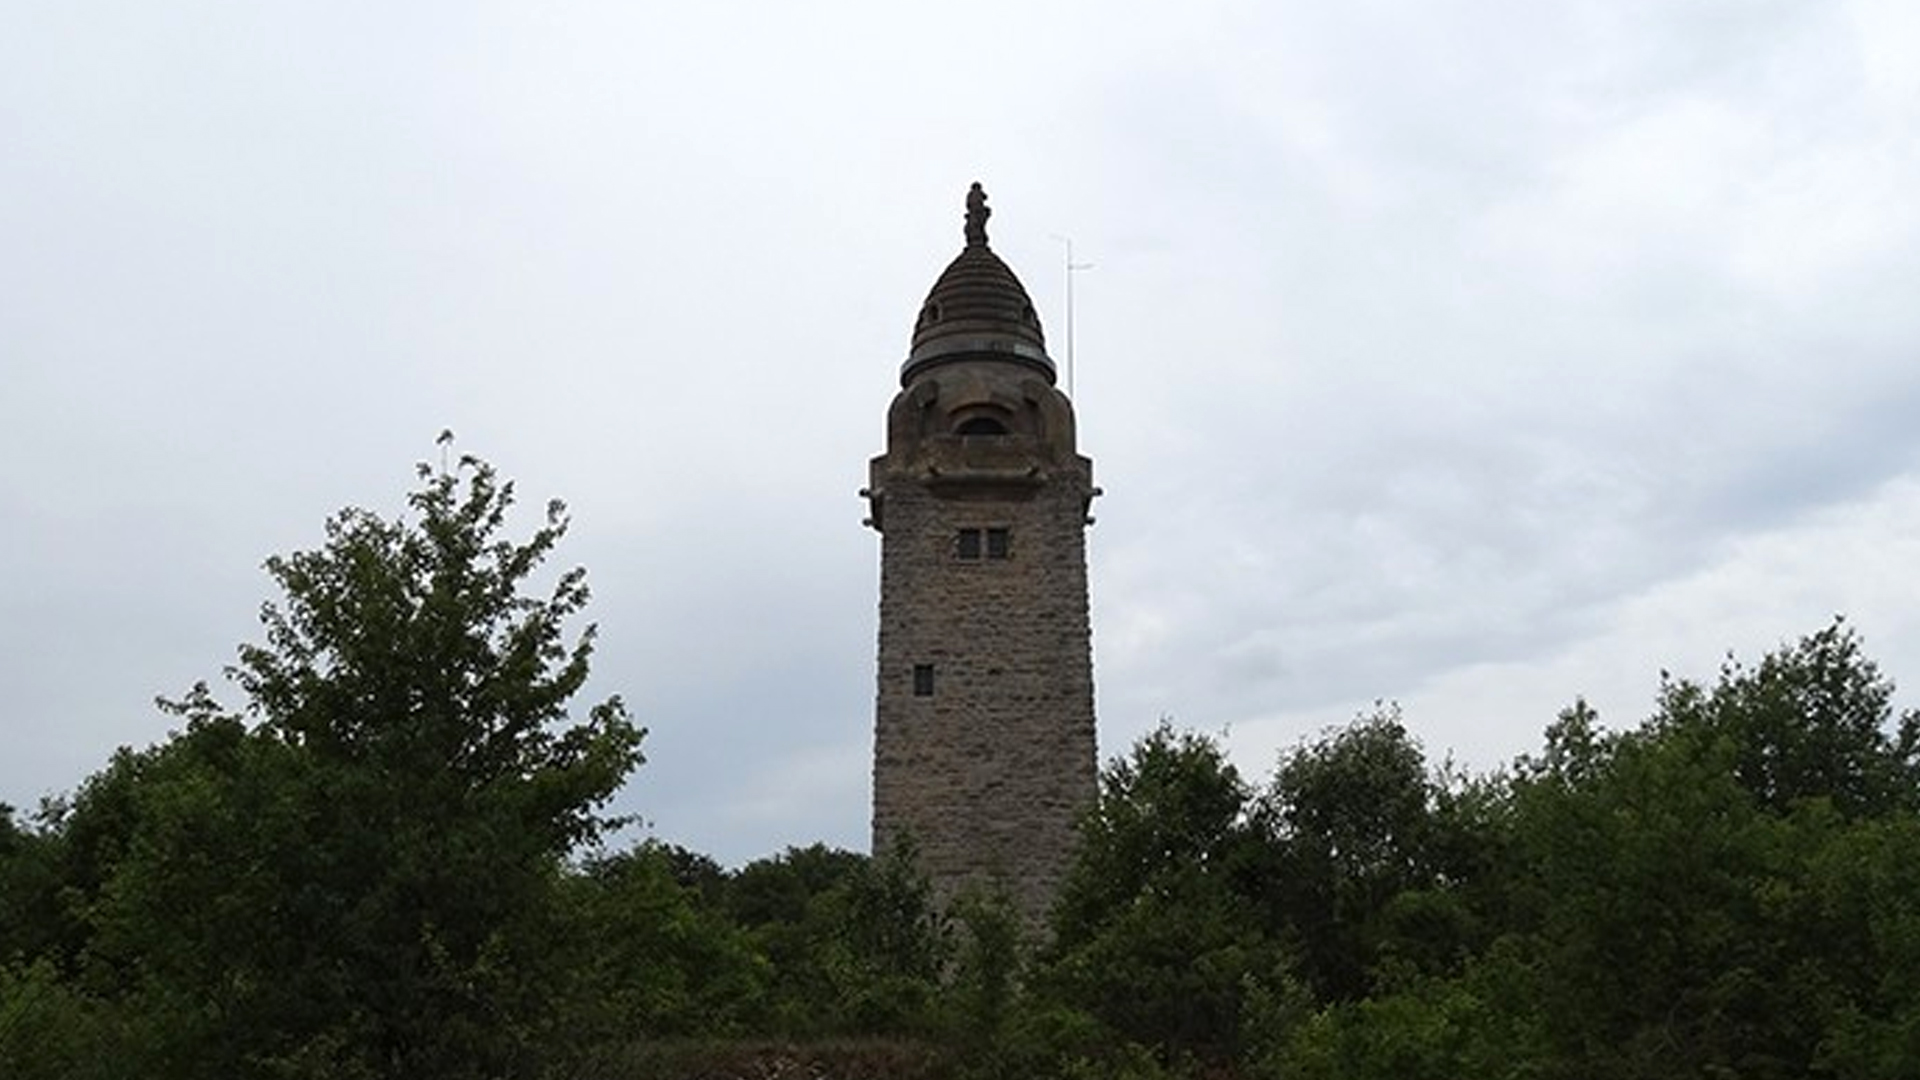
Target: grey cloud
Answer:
pixel 1421 340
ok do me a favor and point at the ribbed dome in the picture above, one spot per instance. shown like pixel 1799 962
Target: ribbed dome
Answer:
pixel 977 309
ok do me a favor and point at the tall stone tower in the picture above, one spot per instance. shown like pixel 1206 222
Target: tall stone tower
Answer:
pixel 983 728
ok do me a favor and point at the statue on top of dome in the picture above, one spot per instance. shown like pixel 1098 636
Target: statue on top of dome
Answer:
pixel 977 213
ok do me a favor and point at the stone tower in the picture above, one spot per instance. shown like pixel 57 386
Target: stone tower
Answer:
pixel 983 729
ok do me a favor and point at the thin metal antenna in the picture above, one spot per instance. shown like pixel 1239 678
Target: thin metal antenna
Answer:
pixel 1071 266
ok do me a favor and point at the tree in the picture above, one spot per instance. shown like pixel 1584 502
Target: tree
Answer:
pixel 855 945
pixel 185 868
pixel 360 880
pixel 1158 935
pixel 1374 851
pixel 780 889
pixel 652 957
pixel 28 889
pixel 407 651
pixel 897 945
pixel 1728 889
pixel 1811 720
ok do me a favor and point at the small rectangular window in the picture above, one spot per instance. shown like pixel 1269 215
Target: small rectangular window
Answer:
pixel 923 680
pixel 968 546
pixel 997 543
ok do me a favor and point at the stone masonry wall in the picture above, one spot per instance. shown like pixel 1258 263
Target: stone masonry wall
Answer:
pixel 990 772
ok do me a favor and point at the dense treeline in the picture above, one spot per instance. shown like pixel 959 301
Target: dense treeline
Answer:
pixel 385 864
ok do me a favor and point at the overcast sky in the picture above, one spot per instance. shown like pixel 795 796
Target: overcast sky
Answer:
pixel 1469 355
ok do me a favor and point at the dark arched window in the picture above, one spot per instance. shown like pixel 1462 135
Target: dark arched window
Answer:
pixel 981 425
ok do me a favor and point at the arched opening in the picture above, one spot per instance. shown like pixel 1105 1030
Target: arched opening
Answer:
pixel 981 425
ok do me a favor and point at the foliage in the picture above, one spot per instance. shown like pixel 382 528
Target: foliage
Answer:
pixel 375 870
pixel 1702 896
pixel 897 946
pixel 1157 935
pixel 1727 890
pixel 865 1058
pixel 1474 1024
pixel 360 881
pixel 989 966
pixel 33 922
pixel 1374 851
pixel 1674 893
pixel 52 1030
pixel 1812 720
pixel 784 888
pixel 406 651
pixel 794 908
pixel 194 891
pixel 1174 807
pixel 651 958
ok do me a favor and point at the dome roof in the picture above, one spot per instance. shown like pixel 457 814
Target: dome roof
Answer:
pixel 977 309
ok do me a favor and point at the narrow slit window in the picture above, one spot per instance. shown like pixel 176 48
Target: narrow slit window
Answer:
pixel 923 680
pixel 997 543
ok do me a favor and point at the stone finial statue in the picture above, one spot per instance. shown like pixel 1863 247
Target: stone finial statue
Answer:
pixel 977 214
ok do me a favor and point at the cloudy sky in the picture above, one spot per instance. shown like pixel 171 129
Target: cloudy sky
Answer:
pixel 1463 354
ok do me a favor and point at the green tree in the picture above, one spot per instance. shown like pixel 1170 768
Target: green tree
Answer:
pixel 1726 889
pixel 361 880
pixel 1375 853
pixel 793 908
pixel 781 889
pixel 50 1029
pixel 653 958
pixel 1641 910
pixel 988 971
pixel 407 651
pixel 1865 890
pixel 1477 1023
pixel 188 879
pixel 856 945
pixel 1158 935
pixel 898 944
pixel 29 890
pixel 1812 720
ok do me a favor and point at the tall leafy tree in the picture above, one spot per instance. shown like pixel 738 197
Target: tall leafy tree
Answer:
pixel 1157 934
pixel 855 945
pixel 651 956
pixel 355 874
pixel 1375 849
pixel 1726 889
pixel 28 884
pixel 1811 720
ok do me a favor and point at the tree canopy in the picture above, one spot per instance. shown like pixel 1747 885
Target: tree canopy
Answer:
pixel 353 874
pixel 384 861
